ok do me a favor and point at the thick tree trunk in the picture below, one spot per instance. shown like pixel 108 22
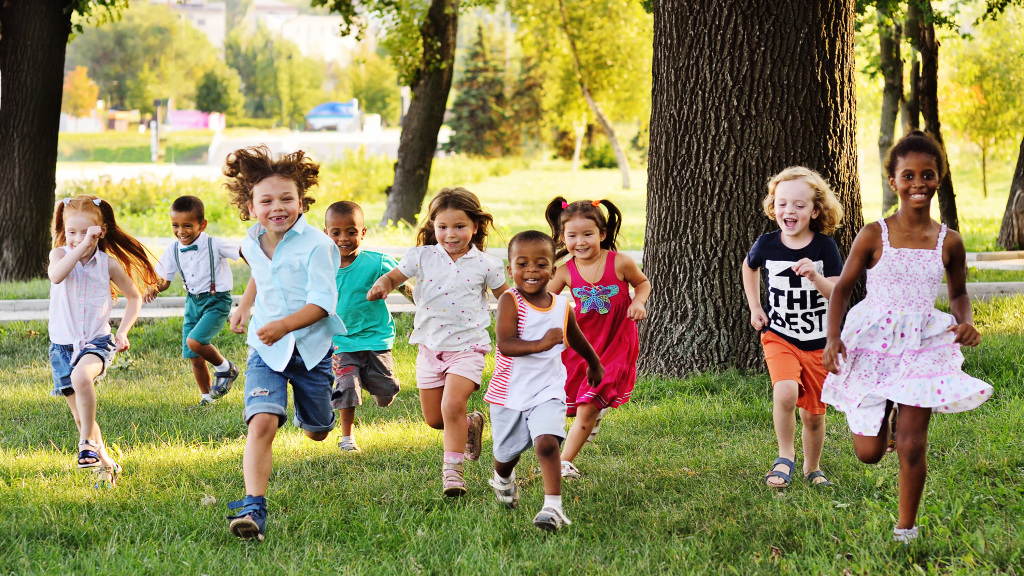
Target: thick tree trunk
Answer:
pixel 929 95
pixel 785 68
pixel 430 89
pixel 889 33
pixel 1011 233
pixel 620 156
pixel 912 119
pixel 33 38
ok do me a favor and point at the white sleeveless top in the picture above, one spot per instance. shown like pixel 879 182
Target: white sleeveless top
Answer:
pixel 80 305
pixel 522 382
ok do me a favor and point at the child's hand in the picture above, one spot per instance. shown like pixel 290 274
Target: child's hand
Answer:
pixel 272 332
pixel 805 267
pixel 377 292
pixel 758 319
pixel 552 338
pixel 636 311
pixel 150 294
pixel 122 343
pixel 239 318
pixel 595 374
pixel 834 355
pixel 966 334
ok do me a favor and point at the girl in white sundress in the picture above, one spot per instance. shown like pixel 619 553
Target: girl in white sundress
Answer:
pixel 897 354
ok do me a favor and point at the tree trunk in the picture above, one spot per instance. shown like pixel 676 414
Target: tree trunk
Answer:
pixel 785 68
pixel 32 45
pixel 984 172
pixel 602 118
pixel 418 142
pixel 929 95
pixel 1011 233
pixel 912 120
pixel 889 33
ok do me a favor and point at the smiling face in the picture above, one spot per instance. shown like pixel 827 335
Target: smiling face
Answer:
pixel 582 238
pixel 454 230
pixel 347 232
pixel 76 224
pixel 531 264
pixel 794 208
pixel 275 204
pixel 185 227
pixel 915 179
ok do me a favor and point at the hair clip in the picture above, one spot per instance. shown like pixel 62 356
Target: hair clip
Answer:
pixel 97 201
pixel 595 203
pixel 564 204
pixel 67 201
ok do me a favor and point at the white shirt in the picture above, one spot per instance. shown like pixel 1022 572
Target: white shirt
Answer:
pixel 452 313
pixel 195 264
pixel 80 304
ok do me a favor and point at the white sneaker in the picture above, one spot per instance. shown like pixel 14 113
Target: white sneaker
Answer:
pixel 551 519
pixel 348 445
pixel 506 493
pixel 570 471
pixel 905 535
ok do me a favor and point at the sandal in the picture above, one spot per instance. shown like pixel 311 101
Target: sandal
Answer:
pixel 569 470
pixel 812 476
pixel 451 477
pixel 597 425
pixel 780 474
pixel 107 476
pixel 90 451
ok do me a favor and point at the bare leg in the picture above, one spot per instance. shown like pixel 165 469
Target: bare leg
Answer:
pixel 457 390
pixel 208 353
pixel 871 449
pixel 582 426
pixel 430 402
pixel 258 459
pixel 201 371
pixel 784 397
pixel 912 449
pixel 505 469
pixel 814 439
pixel 546 447
pixel 83 376
pixel 346 418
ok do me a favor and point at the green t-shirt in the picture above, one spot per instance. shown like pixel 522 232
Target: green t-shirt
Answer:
pixel 369 324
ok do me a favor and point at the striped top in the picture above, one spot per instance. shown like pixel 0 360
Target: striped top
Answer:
pixel 522 382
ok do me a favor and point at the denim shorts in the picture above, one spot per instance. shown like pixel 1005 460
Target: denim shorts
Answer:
pixel 61 361
pixel 205 315
pixel 266 392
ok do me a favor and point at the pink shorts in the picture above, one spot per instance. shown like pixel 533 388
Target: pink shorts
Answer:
pixel 432 367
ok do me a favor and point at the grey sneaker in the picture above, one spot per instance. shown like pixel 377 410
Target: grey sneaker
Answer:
pixel 507 494
pixel 550 519
pixel 905 535
pixel 348 445
pixel 222 381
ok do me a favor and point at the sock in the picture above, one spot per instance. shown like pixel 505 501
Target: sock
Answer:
pixel 511 477
pixel 223 367
pixel 454 457
pixel 207 397
pixel 344 438
pixel 553 501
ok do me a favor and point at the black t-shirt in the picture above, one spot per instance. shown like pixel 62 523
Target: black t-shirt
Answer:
pixel 796 310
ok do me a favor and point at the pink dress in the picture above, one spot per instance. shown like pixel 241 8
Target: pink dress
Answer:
pixel 897 345
pixel 601 314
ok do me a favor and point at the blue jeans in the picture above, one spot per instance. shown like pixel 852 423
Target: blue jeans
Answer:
pixel 266 392
pixel 61 364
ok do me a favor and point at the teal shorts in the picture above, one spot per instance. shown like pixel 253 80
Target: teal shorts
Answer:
pixel 205 315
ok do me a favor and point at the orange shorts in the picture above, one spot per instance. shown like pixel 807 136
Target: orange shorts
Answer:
pixel 787 362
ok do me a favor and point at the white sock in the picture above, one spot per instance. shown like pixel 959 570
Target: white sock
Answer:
pixel 207 397
pixel 553 501
pixel 511 477
pixel 344 438
pixel 223 367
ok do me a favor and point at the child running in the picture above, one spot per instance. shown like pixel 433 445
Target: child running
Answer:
pixel 292 285
pixel 527 391
pixel 362 357
pixel 897 354
pixel 452 274
pixel 599 279
pixel 90 252
pixel 802 265
pixel 202 261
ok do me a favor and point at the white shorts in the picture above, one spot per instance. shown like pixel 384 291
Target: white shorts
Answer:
pixel 513 431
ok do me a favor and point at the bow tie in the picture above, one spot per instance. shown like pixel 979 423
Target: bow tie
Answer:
pixel 192 247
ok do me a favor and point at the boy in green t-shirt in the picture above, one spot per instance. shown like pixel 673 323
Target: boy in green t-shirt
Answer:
pixel 362 358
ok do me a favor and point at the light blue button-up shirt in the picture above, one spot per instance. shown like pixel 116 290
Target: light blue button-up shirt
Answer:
pixel 301 272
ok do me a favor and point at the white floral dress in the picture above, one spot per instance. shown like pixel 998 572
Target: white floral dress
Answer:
pixel 897 346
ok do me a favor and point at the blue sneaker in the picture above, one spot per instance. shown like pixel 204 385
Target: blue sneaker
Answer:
pixel 222 381
pixel 251 519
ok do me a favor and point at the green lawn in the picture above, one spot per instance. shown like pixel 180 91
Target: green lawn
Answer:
pixel 181 147
pixel 672 485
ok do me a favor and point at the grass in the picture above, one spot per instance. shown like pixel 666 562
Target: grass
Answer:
pixel 672 485
pixel 181 147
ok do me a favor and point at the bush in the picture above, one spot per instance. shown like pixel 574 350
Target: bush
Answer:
pixel 599 155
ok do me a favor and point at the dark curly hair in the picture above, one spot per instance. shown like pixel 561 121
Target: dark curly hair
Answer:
pixel 559 211
pixel 915 141
pixel 456 198
pixel 247 167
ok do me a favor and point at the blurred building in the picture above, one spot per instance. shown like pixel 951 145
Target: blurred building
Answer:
pixel 211 18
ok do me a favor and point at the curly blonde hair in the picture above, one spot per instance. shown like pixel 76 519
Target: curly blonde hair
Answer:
pixel 830 211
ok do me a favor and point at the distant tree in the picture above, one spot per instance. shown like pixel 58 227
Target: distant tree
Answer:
pixel 479 114
pixel 219 90
pixel 374 82
pixel 1011 233
pixel 527 102
pixel 80 93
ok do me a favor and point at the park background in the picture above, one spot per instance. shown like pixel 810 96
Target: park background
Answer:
pixel 673 483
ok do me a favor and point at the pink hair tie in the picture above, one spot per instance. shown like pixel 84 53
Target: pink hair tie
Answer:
pixel 564 204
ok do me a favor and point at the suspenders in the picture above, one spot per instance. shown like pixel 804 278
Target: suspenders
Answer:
pixel 213 275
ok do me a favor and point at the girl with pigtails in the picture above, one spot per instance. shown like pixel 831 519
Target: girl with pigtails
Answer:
pixel 91 262
pixel 600 279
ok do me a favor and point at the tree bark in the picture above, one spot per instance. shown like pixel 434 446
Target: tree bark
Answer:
pixel 785 68
pixel 1011 233
pixel 912 120
pixel 929 96
pixel 418 142
pixel 889 37
pixel 33 38
pixel 620 156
